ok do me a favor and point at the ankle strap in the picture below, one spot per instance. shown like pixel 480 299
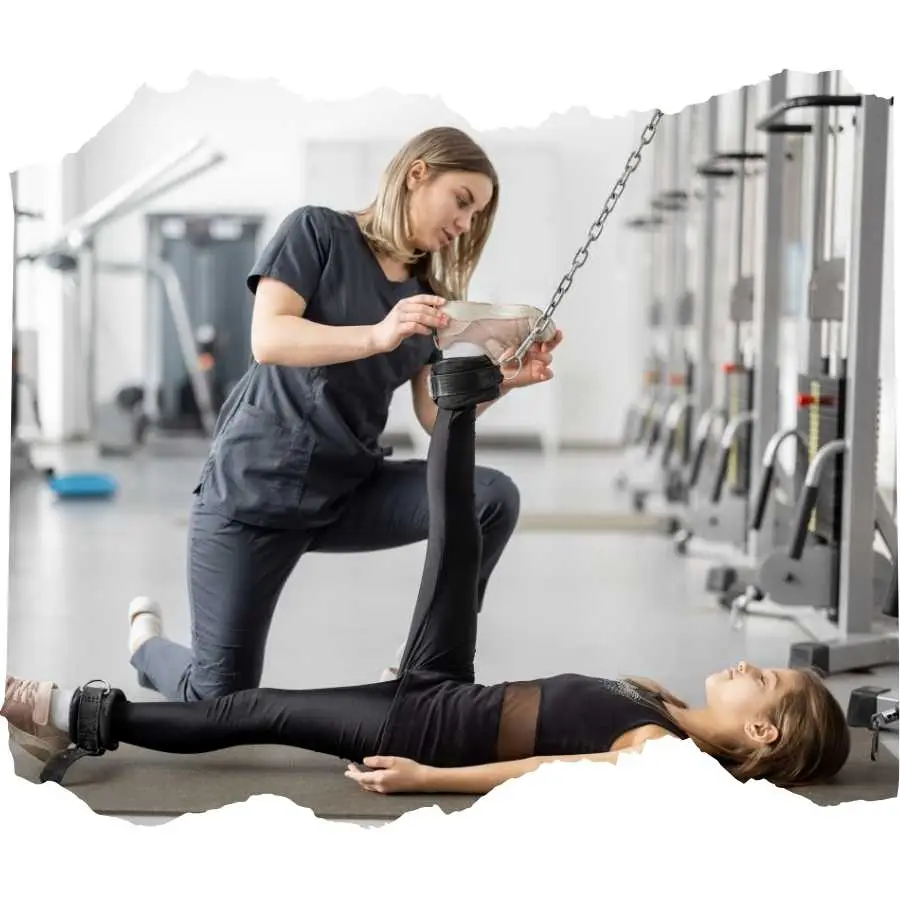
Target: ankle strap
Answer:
pixel 89 728
pixel 461 382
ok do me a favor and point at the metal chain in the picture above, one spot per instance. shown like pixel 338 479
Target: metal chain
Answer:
pixel 596 229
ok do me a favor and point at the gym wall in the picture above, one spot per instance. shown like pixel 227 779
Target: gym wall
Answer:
pixel 46 303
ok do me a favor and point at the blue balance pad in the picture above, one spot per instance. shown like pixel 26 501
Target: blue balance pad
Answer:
pixel 85 484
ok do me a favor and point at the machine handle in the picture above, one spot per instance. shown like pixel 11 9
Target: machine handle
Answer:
pixel 810 493
pixel 669 446
pixel 742 156
pixel 653 436
pixel 641 430
pixel 671 201
pixel 773 122
pixel 711 170
pixel 703 429
pixel 808 498
pixel 768 472
pixel 725 446
pixel 890 599
pixel 762 497
pixel 673 418
pixel 647 424
pixel 645 221
pixel 658 423
pixel 697 461
pixel 721 472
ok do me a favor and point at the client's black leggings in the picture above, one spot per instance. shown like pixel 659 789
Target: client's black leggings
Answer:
pixel 347 722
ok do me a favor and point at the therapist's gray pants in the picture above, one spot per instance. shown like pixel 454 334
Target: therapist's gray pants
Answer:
pixel 237 573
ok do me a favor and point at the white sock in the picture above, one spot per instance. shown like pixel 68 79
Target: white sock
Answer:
pixel 463 349
pixel 60 703
pixel 146 622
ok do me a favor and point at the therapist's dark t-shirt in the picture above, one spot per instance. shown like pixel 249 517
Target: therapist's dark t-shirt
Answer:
pixel 292 443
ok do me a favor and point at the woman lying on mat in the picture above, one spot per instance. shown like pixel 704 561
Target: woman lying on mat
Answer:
pixel 434 729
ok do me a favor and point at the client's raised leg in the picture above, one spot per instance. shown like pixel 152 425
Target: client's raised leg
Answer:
pixel 442 633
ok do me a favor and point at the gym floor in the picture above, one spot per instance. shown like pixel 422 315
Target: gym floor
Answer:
pixel 602 603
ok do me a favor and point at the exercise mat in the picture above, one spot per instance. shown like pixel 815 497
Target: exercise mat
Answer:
pixel 135 782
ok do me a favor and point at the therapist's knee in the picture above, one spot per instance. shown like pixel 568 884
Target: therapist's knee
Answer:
pixel 206 684
pixel 498 499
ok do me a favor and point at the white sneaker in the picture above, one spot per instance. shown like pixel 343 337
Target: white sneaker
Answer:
pixel 144 622
pixel 498 329
pixel 392 673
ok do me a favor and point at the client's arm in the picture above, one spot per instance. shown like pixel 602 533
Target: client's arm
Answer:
pixel 391 775
pixel 481 779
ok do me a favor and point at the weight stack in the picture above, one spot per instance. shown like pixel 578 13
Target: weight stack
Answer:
pixel 821 412
pixel 739 389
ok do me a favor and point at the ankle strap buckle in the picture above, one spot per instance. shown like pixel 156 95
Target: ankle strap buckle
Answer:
pixel 106 685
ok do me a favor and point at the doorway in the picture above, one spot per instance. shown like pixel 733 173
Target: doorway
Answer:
pixel 211 255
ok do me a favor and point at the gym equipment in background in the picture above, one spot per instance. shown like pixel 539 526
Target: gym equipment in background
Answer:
pixel 72 252
pixel 872 707
pixel 802 546
pixel 829 578
pixel 721 517
pixel 750 411
pixel 196 334
pixel 660 422
pixel 209 254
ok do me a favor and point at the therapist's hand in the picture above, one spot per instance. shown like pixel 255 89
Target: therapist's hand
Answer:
pixel 536 366
pixel 415 315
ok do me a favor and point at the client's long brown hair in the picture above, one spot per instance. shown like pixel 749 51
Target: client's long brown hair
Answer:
pixel 813 736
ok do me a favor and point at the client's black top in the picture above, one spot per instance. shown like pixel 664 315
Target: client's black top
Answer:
pixel 442 722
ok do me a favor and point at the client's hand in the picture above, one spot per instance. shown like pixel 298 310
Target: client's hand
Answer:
pixel 389 775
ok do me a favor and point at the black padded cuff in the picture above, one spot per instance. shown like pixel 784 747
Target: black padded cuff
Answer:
pixel 90 728
pixel 464 382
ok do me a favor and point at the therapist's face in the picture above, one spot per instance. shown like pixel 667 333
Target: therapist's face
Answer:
pixel 444 206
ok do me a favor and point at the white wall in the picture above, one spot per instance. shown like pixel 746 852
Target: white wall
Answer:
pixel 47 303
